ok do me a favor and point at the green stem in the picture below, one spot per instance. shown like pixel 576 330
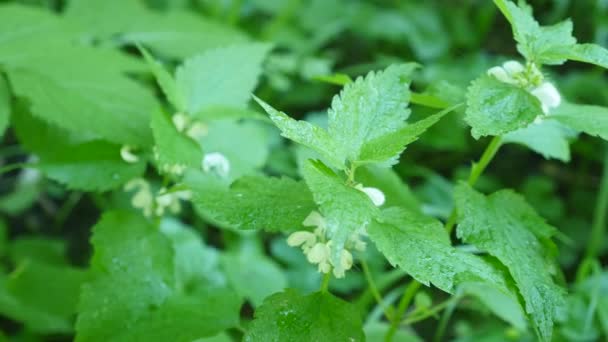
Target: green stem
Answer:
pixel 325 282
pixel 430 312
pixel 447 314
pixel 11 167
pixel 404 303
pixel 476 171
pixel 598 228
pixel 386 308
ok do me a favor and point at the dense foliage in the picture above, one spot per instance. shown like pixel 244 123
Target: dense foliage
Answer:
pixel 303 170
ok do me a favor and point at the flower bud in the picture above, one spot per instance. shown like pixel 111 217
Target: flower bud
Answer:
pixel 216 162
pixel 127 154
pixel 300 238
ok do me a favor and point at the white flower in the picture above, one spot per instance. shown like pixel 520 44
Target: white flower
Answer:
pixel 197 130
pixel 318 249
pixel 127 154
pixel 346 263
pixel 180 121
pixel 170 200
pixel 143 196
pixel 374 194
pixel 217 163
pixel 300 238
pixel 548 96
pixel 513 67
pixel 513 72
pixel 500 74
pixel 314 219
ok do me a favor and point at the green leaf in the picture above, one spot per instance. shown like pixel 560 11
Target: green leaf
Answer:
pixel 5 105
pixel 165 81
pixel 221 77
pixel 386 148
pixel 246 150
pixel 90 166
pixel 87 98
pixel 176 34
pixel 229 113
pixel 548 44
pixel 505 226
pixel 370 108
pixel 366 112
pixel 592 120
pixel 306 134
pixel 496 108
pixel 196 264
pixel 253 202
pixel 376 332
pixel 173 148
pixel 42 296
pixel 251 273
pixel 133 294
pixel 540 44
pixel 289 316
pixel 344 208
pixel 549 138
pixel 421 247
pixel 588 53
pixel 505 306
pixel 27 29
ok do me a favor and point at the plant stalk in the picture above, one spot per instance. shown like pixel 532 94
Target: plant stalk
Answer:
pixel 598 228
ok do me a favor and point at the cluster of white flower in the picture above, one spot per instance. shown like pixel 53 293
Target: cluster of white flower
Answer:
pixel 216 162
pixel 530 78
pixel 172 169
pixel 193 128
pixel 318 249
pixel 157 205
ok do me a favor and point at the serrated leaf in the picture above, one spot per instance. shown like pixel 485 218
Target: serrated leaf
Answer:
pixel 386 148
pixel 172 147
pixel 588 53
pixel 165 81
pixel 253 202
pixel 220 77
pixel 306 134
pixel 549 138
pixel 87 100
pixel 592 120
pixel 540 44
pixel 496 108
pixel 132 295
pixel 502 305
pixel 370 108
pixel 506 227
pixel 344 208
pixel 289 316
pixel 5 105
pixel 420 246
pixel 177 34
pixel 366 110
pixel 552 44
pixel 90 166
pixel 26 29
